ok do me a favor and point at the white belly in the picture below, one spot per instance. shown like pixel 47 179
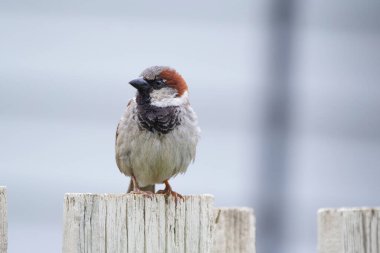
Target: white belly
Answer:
pixel 152 157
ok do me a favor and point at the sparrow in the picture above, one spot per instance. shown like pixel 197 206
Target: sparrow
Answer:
pixel 158 132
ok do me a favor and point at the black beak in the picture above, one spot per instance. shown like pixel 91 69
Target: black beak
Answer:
pixel 139 84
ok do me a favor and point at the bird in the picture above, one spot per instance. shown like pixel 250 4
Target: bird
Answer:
pixel 157 135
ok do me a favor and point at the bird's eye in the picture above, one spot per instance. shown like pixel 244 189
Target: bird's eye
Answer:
pixel 159 83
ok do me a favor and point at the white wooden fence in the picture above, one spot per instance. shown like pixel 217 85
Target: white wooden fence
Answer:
pixel 129 223
pixel 139 224
pixel 349 230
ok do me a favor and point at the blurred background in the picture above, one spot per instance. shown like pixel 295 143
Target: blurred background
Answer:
pixel 287 93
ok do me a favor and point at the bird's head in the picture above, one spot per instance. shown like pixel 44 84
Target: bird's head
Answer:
pixel 160 86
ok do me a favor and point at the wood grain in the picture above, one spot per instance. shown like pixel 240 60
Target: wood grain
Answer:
pixel 234 230
pixel 349 230
pixel 133 223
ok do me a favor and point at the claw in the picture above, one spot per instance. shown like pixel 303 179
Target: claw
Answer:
pixel 140 192
pixel 169 192
pixel 136 189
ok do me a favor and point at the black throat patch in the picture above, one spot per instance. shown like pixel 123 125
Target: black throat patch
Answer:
pixel 158 119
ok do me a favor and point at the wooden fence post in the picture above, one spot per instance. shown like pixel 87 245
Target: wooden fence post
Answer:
pixel 133 223
pixel 349 230
pixel 234 230
pixel 3 220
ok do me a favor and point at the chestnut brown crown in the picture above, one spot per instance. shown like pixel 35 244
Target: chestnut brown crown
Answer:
pixel 169 75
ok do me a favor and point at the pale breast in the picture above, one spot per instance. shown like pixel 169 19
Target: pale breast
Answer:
pixel 153 156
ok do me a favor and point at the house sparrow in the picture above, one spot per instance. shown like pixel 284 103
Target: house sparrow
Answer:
pixel 157 135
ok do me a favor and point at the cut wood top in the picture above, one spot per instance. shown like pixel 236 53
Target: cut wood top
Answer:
pixel 348 209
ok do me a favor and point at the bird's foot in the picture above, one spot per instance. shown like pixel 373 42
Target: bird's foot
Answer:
pixel 137 190
pixel 169 192
pixel 174 194
pixel 144 193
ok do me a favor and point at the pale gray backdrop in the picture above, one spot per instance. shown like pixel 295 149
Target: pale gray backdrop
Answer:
pixel 287 94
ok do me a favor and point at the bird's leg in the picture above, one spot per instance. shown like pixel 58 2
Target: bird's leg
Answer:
pixel 135 185
pixel 168 191
pixel 137 190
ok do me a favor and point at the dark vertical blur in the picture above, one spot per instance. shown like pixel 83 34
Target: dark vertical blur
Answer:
pixel 275 127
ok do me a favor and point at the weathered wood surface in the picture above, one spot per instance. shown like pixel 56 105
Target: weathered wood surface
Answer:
pixel 132 223
pixel 349 230
pixel 3 220
pixel 234 230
